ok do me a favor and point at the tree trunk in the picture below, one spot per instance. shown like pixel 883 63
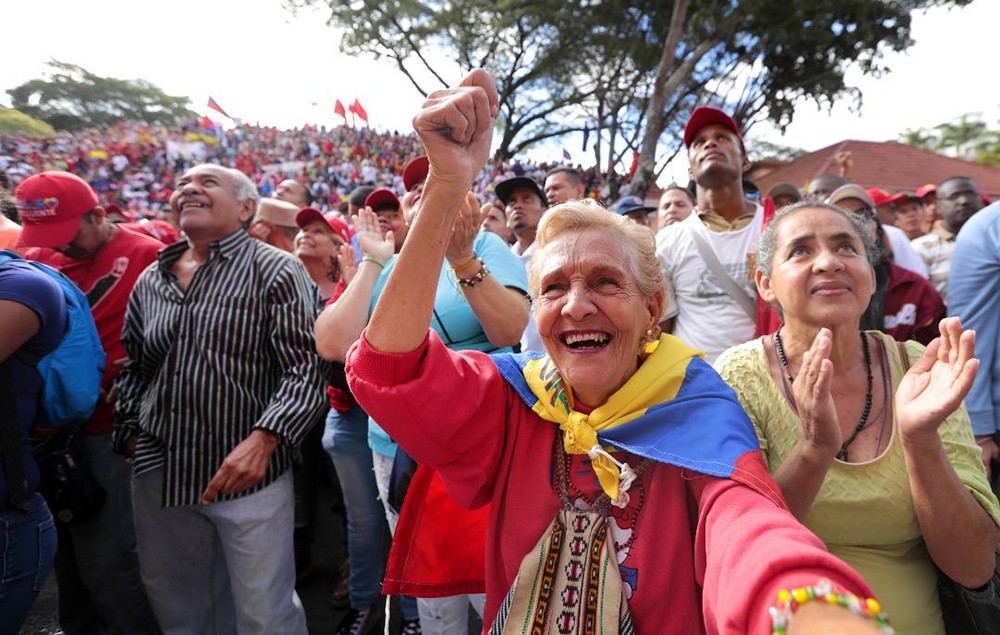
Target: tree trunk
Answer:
pixel 657 104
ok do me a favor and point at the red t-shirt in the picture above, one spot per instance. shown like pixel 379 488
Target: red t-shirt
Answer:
pixel 913 307
pixel 107 280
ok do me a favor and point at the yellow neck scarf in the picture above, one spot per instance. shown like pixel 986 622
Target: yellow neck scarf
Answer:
pixel 657 380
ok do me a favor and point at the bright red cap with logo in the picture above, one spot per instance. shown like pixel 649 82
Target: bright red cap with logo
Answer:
pixel 50 205
pixel 415 172
pixel 881 197
pixel 706 116
pixel 309 215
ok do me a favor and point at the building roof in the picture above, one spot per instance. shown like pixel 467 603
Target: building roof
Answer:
pixel 890 165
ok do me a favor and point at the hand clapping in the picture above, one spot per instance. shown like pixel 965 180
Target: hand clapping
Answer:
pixel 373 244
pixel 935 385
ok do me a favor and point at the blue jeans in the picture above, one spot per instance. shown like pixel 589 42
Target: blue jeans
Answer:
pixel 346 441
pixel 27 549
pixel 97 565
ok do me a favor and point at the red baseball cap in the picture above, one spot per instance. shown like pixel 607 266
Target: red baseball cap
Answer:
pixel 382 197
pixel 309 215
pixel 706 116
pixel 928 190
pixel 881 197
pixel 50 205
pixel 415 171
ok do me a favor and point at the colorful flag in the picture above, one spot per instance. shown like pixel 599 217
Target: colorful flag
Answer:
pixel 338 109
pixel 358 110
pixel 566 155
pixel 216 107
pixel 206 123
pixel 635 163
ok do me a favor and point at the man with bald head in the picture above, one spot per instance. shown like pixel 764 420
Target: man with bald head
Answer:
pixel 291 191
pixel 221 386
pixel 824 185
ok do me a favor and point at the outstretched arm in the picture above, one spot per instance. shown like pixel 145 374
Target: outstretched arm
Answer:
pixel 961 537
pixel 341 323
pixel 456 128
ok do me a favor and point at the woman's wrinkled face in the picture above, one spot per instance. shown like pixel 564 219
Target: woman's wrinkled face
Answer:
pixel 591 314
pixel 820 275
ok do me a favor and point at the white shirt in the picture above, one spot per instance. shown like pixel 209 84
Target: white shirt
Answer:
pixel 903 253
pixel 707 317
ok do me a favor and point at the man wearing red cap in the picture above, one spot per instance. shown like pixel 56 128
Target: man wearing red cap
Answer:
pixel 97 567
pixel 910 215
pixel 928 194
pixel 719 239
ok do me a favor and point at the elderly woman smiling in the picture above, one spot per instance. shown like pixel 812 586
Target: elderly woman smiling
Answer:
pixel 879 462
pixel 627 492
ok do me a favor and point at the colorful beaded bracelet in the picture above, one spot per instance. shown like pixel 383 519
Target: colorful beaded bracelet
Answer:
pixel 476 279
pixel 790 600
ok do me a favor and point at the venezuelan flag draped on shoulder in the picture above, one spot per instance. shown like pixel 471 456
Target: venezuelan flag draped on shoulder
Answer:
pixel 675 409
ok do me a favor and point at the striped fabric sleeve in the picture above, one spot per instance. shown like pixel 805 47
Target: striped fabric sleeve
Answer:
pixel 298 401
pixel 130 386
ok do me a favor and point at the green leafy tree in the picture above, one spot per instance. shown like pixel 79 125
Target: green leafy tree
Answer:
pixel 631 69
pixel 71 97
pixel 15 122
pixel 960 136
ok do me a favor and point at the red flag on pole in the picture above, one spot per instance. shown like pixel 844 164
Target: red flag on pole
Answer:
pixel 358 110
pixel 206 123
pixel 216 107
pixel 338 109
pixel 566 155
pixel 635 163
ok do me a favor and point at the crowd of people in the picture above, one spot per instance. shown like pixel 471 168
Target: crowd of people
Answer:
pixel 725 411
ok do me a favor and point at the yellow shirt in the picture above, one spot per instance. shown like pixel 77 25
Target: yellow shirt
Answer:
pixel 864 511
pixel 717 223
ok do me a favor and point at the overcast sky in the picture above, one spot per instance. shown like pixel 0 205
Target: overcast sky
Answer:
pixel 264 65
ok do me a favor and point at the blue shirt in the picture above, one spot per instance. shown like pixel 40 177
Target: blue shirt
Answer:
pixel 22 283
pixel 974 296
pixel 453 319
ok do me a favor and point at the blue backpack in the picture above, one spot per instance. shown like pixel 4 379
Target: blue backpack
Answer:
pixel 72 372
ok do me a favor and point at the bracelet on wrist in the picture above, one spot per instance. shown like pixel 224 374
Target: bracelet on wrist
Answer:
pixel 789 601
pixel 477 278
pixel 457 268
pixel 373 261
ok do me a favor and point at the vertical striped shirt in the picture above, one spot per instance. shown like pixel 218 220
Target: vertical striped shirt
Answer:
pixel 936 249
pixel 207 366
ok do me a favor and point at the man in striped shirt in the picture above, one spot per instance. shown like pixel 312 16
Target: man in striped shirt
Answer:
pixel 221 385
pixel 958 199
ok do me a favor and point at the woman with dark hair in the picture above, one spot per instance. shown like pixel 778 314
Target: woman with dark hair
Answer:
pixel 879 461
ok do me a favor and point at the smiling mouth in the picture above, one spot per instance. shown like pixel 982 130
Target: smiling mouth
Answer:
pixel 590 340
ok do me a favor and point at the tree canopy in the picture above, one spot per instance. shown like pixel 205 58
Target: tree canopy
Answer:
pixel 630 70
pixel 967 137
pixel 71 97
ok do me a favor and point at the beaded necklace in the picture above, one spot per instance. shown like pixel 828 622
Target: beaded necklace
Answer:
pixel 863 422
